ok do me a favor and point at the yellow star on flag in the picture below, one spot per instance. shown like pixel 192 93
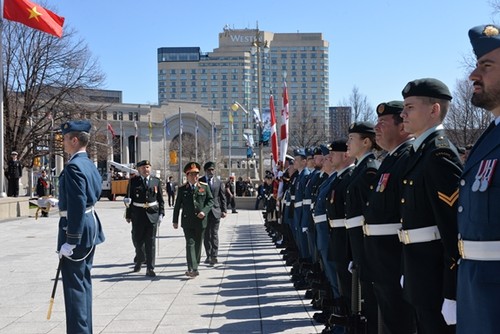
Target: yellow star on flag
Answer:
pixel 34 13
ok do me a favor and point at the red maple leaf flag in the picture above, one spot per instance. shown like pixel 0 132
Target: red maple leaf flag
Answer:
pixel 33 16
pixel 110 128
pixel 284 125
pixel 274 135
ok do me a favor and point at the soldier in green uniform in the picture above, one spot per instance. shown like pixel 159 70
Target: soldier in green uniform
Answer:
pixel 196 200
pixel 145 210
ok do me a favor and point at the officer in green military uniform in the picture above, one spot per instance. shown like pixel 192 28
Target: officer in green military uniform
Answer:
pixel 145 209
pixel 196 200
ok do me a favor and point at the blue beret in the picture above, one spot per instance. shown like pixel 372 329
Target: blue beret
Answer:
pixel 484 38
pixel 325 149
pixel 76 126
pixel 143 163
pixel 299 152
pixel 390 108
pixel 362 127
pixel 339 145
pixel 310 151
pixel 427 87
pixel 317 151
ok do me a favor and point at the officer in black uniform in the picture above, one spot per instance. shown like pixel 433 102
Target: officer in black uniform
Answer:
pixel 145 210
pixel 428 207
pixel 382 221
pixel 13 174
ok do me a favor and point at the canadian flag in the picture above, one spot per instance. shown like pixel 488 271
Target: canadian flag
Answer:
pixel 274 135
pixel 110 128
pixel 284 125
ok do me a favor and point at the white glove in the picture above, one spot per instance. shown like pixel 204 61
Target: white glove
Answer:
pixel 449 311
pixel 305 230
pixel 66 250
pixel 160 219
pixel 402 281
pixel 127 201
pixel 350 266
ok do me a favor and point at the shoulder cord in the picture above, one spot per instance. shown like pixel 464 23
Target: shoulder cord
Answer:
pixel 93 243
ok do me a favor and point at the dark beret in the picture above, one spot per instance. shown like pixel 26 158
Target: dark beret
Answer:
pixel 269 174
pixel 299 152
pixel 339 145
pixel 143 163
pixel 325 149
pixel 390 108
pixel 362 127
pixel 484 39
pixel 192 167
pixel 310 151
pixel 427 87
pixel 76 126
pixel 317 151
pixel 209 165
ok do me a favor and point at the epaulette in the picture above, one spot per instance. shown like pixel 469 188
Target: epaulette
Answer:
pixel 442 142
pixel 372 164
pixel 204 183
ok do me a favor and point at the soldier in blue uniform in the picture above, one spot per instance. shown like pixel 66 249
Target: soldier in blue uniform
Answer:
pixel 146 209
pixel 428 207
pixel 196 200
pixel 382 221
pixel 478 204
pixel 79 227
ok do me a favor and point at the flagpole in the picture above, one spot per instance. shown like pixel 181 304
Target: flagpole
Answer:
pixel 196 138
pixel 164 147
pixel 150 127
pixel 212 144
pixel 180 146
pixel 2 144
pixel 121 142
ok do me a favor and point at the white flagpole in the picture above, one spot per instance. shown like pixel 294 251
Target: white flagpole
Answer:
pixel 180 146
pixel 2 144
pixel 196 138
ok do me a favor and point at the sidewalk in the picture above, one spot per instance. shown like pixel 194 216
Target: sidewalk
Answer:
pixel 249 291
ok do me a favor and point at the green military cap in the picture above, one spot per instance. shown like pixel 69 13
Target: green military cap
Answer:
pixel 427 87
pixel 390 108
pixel 362 127
pixel 484 39
pixel 209 165
pixel 143 163
pixel 192 167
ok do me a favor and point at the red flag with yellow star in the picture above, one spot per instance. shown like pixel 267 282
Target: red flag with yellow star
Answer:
pixel 34 16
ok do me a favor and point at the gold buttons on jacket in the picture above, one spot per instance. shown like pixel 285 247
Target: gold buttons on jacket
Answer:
pixel 402 200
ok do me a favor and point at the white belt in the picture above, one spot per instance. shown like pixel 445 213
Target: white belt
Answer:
pixel 297 204
pixel 354 222
pixel 337 223
pixel 479 250
pixel 306 202
pixel 145 205
pixel 287 203
pixel 424 234
pixel 292 197
pixel 312 206
pixel 64 214
pixel 381 229
pixel 319 219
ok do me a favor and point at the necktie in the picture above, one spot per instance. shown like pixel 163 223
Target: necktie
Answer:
pixel 145 182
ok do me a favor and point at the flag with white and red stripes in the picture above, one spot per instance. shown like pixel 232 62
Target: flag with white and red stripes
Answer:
pixel 274 135
pixel 284 125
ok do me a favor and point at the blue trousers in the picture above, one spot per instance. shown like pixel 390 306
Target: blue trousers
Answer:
pixel 322 240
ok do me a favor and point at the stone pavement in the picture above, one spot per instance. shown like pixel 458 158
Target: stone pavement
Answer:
pixel 249 291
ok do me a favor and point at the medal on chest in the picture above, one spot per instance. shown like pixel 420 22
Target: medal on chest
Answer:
pixel 484 175
pixel 382 182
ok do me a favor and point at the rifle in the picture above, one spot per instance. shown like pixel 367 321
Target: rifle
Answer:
pixel 357 322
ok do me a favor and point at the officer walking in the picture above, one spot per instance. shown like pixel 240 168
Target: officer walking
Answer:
pixel 79 227
pixel 145 210
pixel 196 200
pixel 428 208
pixel 218 211
pixel 478 206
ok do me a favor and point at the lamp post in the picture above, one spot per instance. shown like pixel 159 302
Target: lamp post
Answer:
pixel 257 47
pixel 247 132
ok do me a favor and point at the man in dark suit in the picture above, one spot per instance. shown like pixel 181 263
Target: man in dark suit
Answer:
pixel 211 239
pixel 13 174
pixel 171 191
pixel 196 200
pixel 428 207
pixel 478 204
pixel 79 227
pixel 145 210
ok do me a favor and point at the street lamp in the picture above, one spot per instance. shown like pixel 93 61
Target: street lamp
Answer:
pixel 257 47
pixel 247 132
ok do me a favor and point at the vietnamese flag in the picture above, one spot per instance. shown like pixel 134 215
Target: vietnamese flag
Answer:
pixel 34 16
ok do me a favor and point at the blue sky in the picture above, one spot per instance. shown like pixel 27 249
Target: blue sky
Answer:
pixel 376 45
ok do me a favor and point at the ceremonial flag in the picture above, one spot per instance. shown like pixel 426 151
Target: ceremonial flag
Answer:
pixel 150 126
pixel 284 125
pixel 165 125
pixel 231 121
pixel 110 128
pixel 33 16
pixel 274 135
pixel 136 129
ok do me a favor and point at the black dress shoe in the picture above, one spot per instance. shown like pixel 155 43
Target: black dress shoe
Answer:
pixel 208 260
pixel 195 273
pixel 150 273
pixel 137 267
pixel 213 261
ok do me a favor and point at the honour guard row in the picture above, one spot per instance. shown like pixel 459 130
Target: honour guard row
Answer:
pixel 406 242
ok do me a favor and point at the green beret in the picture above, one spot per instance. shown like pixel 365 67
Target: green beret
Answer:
pixel 427 87
pixel 143 163
pixel 390 108
pixel 362 127
pixel 192 167
pixel 209 165
pixel 484 39
pixel 76 126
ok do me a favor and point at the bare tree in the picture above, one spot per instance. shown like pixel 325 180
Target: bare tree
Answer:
pixel 307 131
pixel 464 121
pixel 362 111
pixel 44 78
